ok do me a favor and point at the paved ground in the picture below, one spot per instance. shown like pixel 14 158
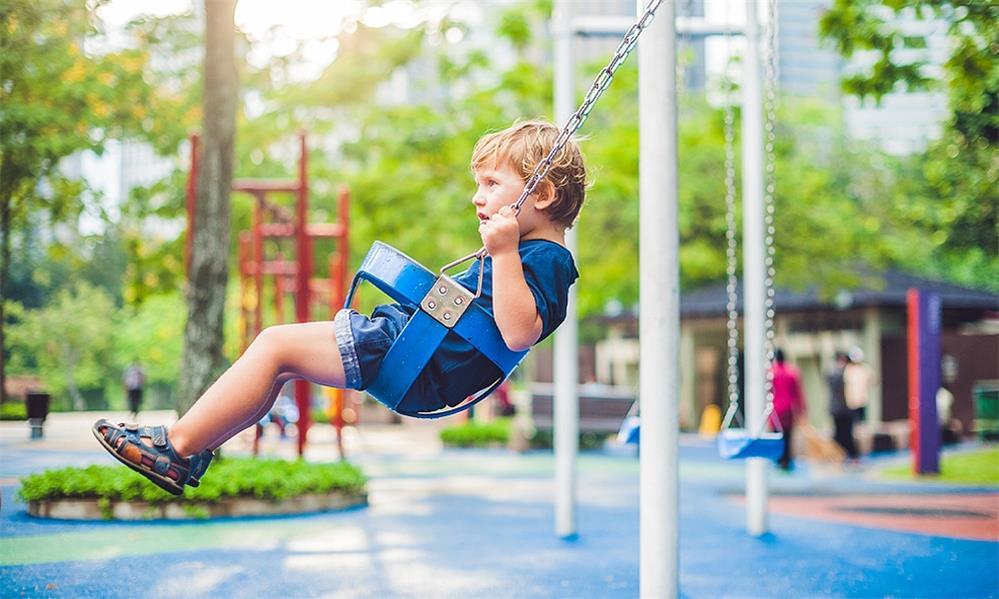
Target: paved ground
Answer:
pixel 478 523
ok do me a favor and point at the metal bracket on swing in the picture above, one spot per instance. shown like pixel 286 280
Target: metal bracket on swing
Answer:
pixel 447 301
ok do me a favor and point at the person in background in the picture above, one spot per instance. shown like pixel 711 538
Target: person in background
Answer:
pixel 858 381
pixel 841 413
pixel 134 380
pixel 950 428
pixel 789 402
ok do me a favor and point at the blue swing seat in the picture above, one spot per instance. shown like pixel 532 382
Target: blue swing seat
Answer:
pixel 737 443
pixel 442 305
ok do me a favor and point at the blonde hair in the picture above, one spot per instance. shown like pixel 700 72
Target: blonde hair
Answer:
pixel 523 146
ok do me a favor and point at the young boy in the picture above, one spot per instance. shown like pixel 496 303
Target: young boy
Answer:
pixel 525 285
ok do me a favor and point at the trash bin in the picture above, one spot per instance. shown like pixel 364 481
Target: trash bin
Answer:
pixel 38 411
pixel 987 410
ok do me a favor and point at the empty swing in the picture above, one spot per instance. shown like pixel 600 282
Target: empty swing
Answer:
pixel 739 441
pixel 441 304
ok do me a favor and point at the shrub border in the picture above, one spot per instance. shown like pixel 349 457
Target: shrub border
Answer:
pixel 104 509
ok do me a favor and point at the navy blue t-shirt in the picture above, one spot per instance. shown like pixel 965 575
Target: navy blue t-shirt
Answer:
pixel 457 370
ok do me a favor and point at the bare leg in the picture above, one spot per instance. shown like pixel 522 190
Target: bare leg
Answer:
pixel 247 390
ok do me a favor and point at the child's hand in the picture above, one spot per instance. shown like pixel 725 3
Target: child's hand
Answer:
pixel 501 232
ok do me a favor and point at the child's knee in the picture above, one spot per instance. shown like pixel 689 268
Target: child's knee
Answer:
pixel 271 343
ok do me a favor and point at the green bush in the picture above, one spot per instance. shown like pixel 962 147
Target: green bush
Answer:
pixel 545 440
pixel 227 478
pixel 13 410
pixel 477 434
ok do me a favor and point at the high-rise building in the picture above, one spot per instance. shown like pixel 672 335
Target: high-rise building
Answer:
pixel 807 66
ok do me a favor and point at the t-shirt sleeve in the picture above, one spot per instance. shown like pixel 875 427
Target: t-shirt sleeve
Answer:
pixel 549 273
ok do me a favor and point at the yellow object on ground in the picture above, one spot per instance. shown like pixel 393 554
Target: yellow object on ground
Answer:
pixel 710 422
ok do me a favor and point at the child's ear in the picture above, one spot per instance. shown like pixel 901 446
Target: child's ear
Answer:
pixel 544 195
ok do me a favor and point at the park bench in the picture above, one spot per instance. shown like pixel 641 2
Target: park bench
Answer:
pixel 601 407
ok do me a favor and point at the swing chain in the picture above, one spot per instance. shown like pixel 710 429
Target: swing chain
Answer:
pixel 770 186
pixel 731 252
pixel 600 84
pixel 770 181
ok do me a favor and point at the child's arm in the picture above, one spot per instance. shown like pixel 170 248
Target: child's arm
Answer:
pixel 514 308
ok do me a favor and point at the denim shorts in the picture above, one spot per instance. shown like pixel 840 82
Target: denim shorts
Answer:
pixel 363 342
pixel 455 371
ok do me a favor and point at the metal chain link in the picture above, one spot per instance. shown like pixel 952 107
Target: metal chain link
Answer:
pixel 769 189
pixel 576 120
pixel 597 89
pixel 770 185
pixel 732 245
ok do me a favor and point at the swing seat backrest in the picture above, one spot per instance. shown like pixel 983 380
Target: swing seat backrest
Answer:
pixel 737 443
pixel 407 282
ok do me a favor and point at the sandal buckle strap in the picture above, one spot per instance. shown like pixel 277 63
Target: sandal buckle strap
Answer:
pixel 159 436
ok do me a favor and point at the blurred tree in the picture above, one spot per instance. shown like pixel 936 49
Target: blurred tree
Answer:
pixel 149 333
pixel 55 100
pixel 945 200
pixel 209 269
pixel 67 342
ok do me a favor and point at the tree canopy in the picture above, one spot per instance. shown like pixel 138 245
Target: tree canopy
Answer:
pixel 943 202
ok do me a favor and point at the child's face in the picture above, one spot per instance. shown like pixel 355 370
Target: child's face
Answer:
pixel 497 185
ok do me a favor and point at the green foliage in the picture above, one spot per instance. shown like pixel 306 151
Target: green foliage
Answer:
pixel 944 201
pixel 497 432
pixel 979 467
pixel 58 100
pixel 69 341
pixel 151 333
pixel 13 410
pixel 587 440
pixel 227 478
pixel 477 434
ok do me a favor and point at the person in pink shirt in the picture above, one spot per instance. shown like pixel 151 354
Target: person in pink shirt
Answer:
pixel 789 402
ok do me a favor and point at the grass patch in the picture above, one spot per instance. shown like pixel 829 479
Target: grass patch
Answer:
pixel 13 410
pixel 979 467
pixel 226 478
pixel 477 434
pixel 497 432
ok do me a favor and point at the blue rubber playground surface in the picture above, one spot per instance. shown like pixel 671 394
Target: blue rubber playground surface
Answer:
pixel 479 523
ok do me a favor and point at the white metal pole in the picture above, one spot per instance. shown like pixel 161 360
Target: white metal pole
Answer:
pixel 754 270
pixel 659 325
pixel 566 409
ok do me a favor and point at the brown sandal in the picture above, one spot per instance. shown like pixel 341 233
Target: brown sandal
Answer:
pixel 158 462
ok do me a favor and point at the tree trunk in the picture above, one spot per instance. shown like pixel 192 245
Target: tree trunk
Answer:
pixel 208 274
pixel 5 218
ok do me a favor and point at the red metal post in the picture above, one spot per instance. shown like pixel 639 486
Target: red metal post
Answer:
pixel 343 245
pixel 192 187
pixel 302 296
pixel 912 334
pixel 258 260
pixel 279 294
pixel 244 284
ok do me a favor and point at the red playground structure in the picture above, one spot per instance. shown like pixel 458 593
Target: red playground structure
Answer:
pixel 279 247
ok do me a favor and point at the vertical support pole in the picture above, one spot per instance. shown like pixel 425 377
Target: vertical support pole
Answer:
pixel 245 241
pixel 192 187
pixel 754 269
pixel 924 380
pixel 279 314
pixel 566 438
pixel 258 262
pixel 302 297
pixel 343 246
pixel 659 325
